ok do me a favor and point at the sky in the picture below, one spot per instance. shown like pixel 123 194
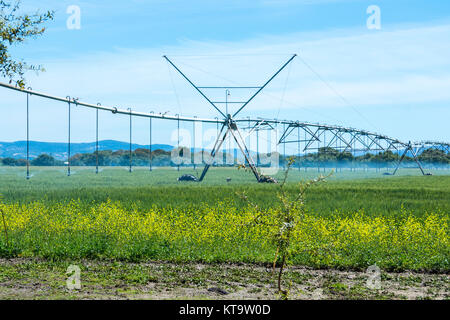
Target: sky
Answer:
pixel 393 80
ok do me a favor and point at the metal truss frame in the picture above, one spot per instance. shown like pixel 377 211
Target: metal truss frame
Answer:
pixel 350 139
pixel 367 141
pixel 228 122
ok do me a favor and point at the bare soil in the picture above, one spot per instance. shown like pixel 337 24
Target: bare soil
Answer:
pixel 41 279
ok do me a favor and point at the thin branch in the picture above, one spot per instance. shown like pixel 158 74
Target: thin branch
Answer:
pixel 5 227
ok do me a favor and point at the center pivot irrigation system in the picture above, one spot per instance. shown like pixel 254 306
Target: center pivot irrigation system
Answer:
pixel 306 136
pixel 229 125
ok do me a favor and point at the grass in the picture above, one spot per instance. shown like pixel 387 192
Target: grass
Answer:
pixel 43 279
pixel 222 233
pixel 353 221
pixel 347 192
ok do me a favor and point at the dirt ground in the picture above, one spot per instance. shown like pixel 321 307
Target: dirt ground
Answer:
pixel 41 279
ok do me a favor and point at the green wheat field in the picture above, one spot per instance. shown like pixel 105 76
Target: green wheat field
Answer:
pixel 353 220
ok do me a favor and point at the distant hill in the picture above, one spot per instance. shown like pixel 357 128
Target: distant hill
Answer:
pixel 18 149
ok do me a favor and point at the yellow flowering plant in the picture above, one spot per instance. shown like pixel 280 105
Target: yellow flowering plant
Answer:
pixel 284 220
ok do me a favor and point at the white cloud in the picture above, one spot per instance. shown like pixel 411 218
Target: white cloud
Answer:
pixel 394 67
pixel 383 66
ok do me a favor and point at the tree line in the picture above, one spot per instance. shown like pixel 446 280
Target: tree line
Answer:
pixel 332 156
pixel 142 157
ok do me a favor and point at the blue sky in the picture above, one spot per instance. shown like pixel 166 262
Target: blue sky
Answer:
pixel 394 81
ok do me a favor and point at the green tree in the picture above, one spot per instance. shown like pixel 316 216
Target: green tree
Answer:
pixel 44 160
pixel 387 156
pixel 327 153
pixel 14 162
pixel 83 159
pixel 16 28
pixel 433 155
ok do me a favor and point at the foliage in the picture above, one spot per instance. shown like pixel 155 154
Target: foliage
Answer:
pixel 5 227
pixel 14 162
pixel 325 156
pixel 16 28
pixel 433 155
pixel 150 218
pixel 344 158
pixel 45 160
pixel 345 191
pixel 139 157
pixel 284 219
pixel 214 233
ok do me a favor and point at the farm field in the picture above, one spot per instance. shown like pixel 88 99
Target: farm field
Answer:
pixel 323 124
pixel 141 220
pixel 43 279
pixel 346 191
